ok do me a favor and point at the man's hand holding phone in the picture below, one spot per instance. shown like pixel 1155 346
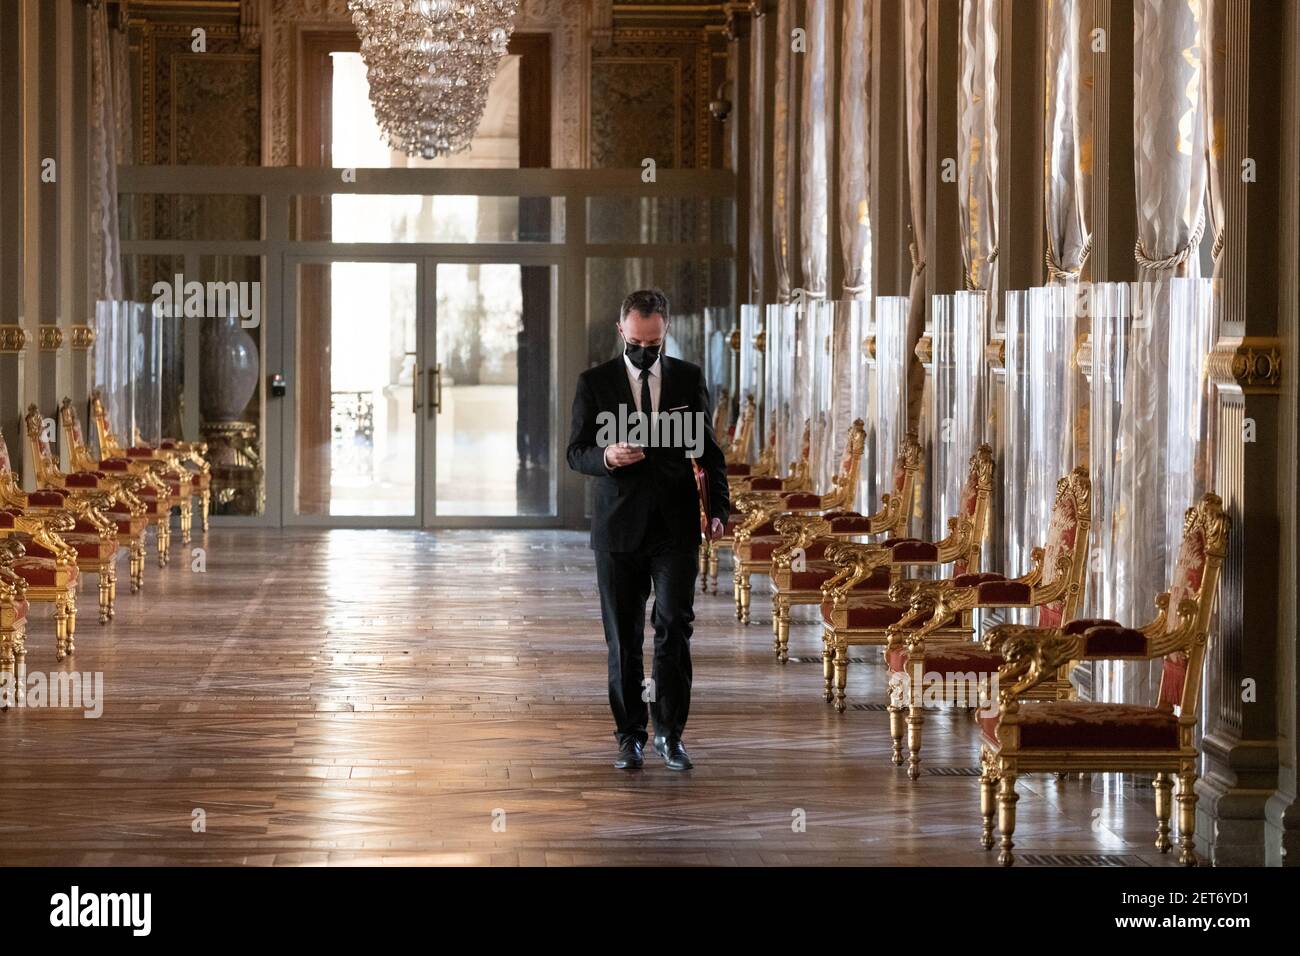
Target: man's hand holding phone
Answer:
pixel 622 454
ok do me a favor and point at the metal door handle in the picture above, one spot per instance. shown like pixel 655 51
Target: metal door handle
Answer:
pixel 434 382
pixel 415 392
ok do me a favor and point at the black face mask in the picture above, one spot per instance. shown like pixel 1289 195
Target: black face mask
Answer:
pixel 642 356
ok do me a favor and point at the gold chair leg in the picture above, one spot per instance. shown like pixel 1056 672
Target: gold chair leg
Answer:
pixel 704 565
pixel 60 630
pixel 988 805
pixel 828 668
pixel 1164 787
pixel 915 720
pixel 841 676
pixel 103 596
pixel 205 502
pixel 112 591
pixel 187 518
pixel 735 592
pixel 8 675
pixel 781 611
pixel 71 643
pixel 713 568
pixel 1187 817
pixel 1007 798
pixel 164 540
pixel 897 728
pixel 743 587
pixel 137 565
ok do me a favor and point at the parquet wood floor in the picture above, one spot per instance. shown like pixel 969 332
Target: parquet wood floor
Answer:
pixel 369 697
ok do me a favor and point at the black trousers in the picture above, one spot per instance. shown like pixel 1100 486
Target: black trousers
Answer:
pixel 625 579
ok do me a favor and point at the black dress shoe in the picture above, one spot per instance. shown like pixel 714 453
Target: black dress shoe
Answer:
pixel 674 754
pixel 629 756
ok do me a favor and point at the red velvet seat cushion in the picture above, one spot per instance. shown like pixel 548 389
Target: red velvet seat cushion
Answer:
pixel 46 499
pixel 765 484
pixel 1060 725
pixel 41 572
pixel 140 451
pixel 1113 639
pixel 812 580
pixel 904 550
pixel 871 613
pixel 801 499
pixel 1081 624
pixel 92 547
pixel 950 658
pixel 114 464
pixel 738 469
pixel 850 524
pixel 82 479
pixel 975 580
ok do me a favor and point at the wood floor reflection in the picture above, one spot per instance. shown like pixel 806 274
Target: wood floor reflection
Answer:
pixel 367 697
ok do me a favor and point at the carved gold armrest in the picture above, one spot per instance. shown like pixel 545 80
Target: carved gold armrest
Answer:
pixel 42 528
pixel 855 563
pixel 1030 656
pixel 797 532
pixel 1161 622
pixel 1034 575
pixel 958 542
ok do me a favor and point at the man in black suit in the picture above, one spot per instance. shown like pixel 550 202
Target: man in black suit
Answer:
pixel 645 526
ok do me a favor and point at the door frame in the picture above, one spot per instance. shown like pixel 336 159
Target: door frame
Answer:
pixel 282 473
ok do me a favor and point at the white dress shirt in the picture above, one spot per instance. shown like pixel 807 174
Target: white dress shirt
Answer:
pixel 634 379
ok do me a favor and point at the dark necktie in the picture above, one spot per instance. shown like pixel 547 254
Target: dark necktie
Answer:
pixel 646 408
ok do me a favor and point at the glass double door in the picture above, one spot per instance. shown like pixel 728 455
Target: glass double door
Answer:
pixel 420 392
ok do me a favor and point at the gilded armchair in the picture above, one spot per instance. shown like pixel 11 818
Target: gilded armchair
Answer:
pixel 91 535
pixel 1069 736
pixel 799 563
pixel 181 461
pixel 932 662
pixel 113 496
pixel 762 509
pixel 48 566
pixel 13 623
pixel 852 617
pixel 139 477
pixel 760 481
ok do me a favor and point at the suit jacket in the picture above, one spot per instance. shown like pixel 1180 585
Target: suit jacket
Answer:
pixel 627 499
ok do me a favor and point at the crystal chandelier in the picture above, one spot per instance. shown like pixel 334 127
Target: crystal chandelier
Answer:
pixel 430 64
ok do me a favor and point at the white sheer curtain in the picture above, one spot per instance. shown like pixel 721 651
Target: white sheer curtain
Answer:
pixel 977 141
pixel 814 122
pixel 1068 95
pixel 783 131
pixel 758 132
pixel 1170 172
pixel 110 144
pixel 914 92
pixel 854 130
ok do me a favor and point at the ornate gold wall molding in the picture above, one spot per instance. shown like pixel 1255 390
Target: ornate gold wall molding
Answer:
pixel 1253 364
pixel 50 338
pixel 83 337
pixel 567 21
pixel 12 338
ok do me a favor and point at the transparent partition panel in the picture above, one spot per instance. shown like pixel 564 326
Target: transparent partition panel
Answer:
pixel 752 371
pixel 492 396
pixel 1015 449
pixel 1110 312
pixel 861 362
pixel 946 472
pixel 718 365
pixel 775 387
pixel 827 436
pixel 890 385
pixel 355 400
pixel 112 364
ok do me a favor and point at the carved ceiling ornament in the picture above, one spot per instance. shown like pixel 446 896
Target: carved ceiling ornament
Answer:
pixel 567 21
